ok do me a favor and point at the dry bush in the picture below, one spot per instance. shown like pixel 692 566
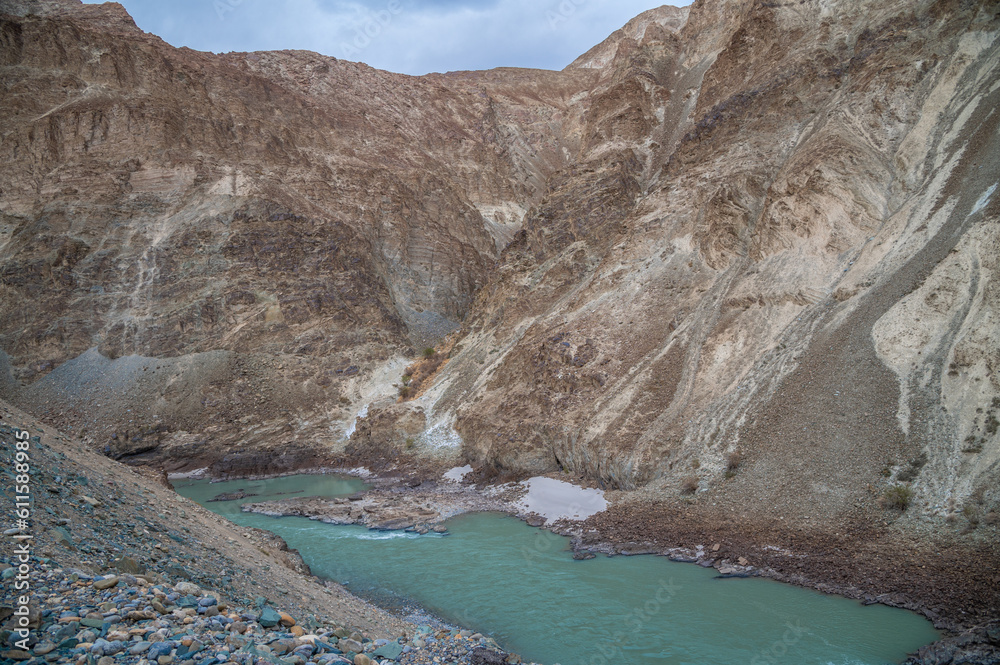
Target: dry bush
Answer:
pixel 689 485
pixel 417 374
pixel 897 497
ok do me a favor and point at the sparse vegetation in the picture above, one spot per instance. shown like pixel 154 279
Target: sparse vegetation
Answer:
pixel 689 485
pixel 897 497
pixel 411 443
pixel 910 473
pixel 733 459
pixel 972 514
pixel 972 444
pixel 416 375
pixel 695 463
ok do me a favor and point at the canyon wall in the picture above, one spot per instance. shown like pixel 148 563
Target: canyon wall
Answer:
pixel 745 250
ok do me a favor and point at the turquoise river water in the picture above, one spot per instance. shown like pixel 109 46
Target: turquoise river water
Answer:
pixel 519 584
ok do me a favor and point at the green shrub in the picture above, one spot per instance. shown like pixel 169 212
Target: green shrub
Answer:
pixel 429 352
pixel 404 391
pixel 897 497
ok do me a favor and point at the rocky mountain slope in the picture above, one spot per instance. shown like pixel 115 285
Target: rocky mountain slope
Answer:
pixel 123 570
pixel 739 257
pixel 103 518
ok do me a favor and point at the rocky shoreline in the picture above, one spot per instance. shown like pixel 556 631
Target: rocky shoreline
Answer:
pixel 135 619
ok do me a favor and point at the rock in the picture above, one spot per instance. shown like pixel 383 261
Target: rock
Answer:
pixel 484 656
pixel 286 620
pixel 105 660
pixel 269 618
pixel 238 627
pixel 715 547
pixel 61 535
pixel 440 528
pixel 139 648
pixel 362 659
pixel 347 644
pixel 297 631
pixel 390 651
pixel 160 649
pixel 742 561
pixel 16 654
pixel 140 615
pixel 128 565
pixel 188 588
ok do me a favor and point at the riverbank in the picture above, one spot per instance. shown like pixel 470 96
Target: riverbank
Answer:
pixel 952 587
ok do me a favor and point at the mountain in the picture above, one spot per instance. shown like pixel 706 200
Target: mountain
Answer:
pixel 739 257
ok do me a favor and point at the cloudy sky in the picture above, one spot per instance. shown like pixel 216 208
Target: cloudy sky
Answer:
pixel 409 36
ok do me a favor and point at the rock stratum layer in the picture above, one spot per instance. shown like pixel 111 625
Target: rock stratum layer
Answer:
pixel 741 255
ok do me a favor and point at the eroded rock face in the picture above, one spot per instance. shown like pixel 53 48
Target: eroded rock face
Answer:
pixel 776 243
pixel 307 218
pixel 749 248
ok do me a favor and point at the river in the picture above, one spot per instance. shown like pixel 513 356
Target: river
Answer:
pixel 520 585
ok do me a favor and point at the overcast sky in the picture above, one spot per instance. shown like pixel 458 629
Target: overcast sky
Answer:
pixel 408 36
